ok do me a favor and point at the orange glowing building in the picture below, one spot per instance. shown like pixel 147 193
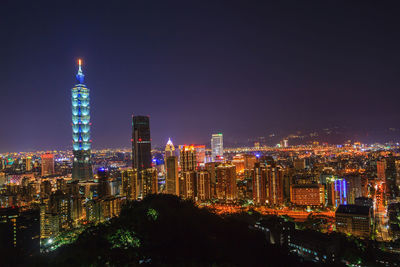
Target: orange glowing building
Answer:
pixel 275 185
pixel 381 169
pixel 260 184
pixel 226 182
pixel 238 161
pixel 307 194
pixel 203 185
pixel 188 161
pixel 47 164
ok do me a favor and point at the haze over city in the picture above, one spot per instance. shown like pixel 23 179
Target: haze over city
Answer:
pixel 247 69
pixel 199 133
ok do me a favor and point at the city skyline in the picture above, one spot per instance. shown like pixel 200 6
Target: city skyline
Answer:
pixel 209 133
pixel 281 69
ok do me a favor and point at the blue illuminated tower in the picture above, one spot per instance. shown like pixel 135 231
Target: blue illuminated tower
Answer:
pixel 82 167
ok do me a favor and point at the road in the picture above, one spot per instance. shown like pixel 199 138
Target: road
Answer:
pixel 295 214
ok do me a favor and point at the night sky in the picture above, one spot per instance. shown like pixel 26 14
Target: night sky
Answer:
pixel 246 68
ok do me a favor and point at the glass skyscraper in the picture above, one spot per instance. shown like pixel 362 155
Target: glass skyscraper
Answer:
pixel 141 151
pixel 81 142
pixel 217 147
pixel 141 143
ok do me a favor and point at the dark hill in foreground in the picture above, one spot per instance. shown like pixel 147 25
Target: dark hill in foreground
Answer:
pixel 166 230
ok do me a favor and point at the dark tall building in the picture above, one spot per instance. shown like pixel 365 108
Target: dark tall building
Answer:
pixel 104 183
pixel 20 234
pixel 141 148
pixel 81 142
pixel 392 190
pixel 141 143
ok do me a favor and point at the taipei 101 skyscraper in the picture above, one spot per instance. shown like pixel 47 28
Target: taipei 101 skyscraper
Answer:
pixel 81 142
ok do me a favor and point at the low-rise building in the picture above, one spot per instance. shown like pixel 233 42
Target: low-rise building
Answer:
pixel 307 194
pixel 354 219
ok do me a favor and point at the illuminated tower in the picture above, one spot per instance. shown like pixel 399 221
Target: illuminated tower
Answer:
pixel 169 149
pixel 217 147
pixel 82 167
pixel 171 164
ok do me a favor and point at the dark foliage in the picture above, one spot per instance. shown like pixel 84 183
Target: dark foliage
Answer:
pixel 166 230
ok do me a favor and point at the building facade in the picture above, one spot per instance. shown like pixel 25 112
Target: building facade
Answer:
pixel 47 164
pixel 226 182
pixel 217 147
pixel 354 219
pixel 203 185
pixel 141 150
pixel 169 149
pixel 260 183
pixel 307 194
pixel 172 176
pixel 188 159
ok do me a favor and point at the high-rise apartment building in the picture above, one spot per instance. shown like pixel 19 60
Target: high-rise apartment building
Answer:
pixel 249 161
pixel 47 164
pixel 203 185
pixel 172 176
pixel 129 178
pixel 81 142
pixel 217 147
pixel 226 182
pixel 386 171
pixel 187 184
pixel 275 185
pixel 200 154
pixel 211 167
pixel 45 188
pixel 260 183
pixel 380 169
pixel 104 189
pixel 238 161
pixel 336 191
pixel 149 182
pixel 392 188
pixel 188 160
pixel 28 163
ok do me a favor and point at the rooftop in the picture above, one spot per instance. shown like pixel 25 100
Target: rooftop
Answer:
pixel 353 209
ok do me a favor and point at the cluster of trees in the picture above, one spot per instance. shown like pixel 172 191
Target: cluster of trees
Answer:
pixel 166 230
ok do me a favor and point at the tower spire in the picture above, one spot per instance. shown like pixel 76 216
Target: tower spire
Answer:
pixel 80 76
pixel 169 142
